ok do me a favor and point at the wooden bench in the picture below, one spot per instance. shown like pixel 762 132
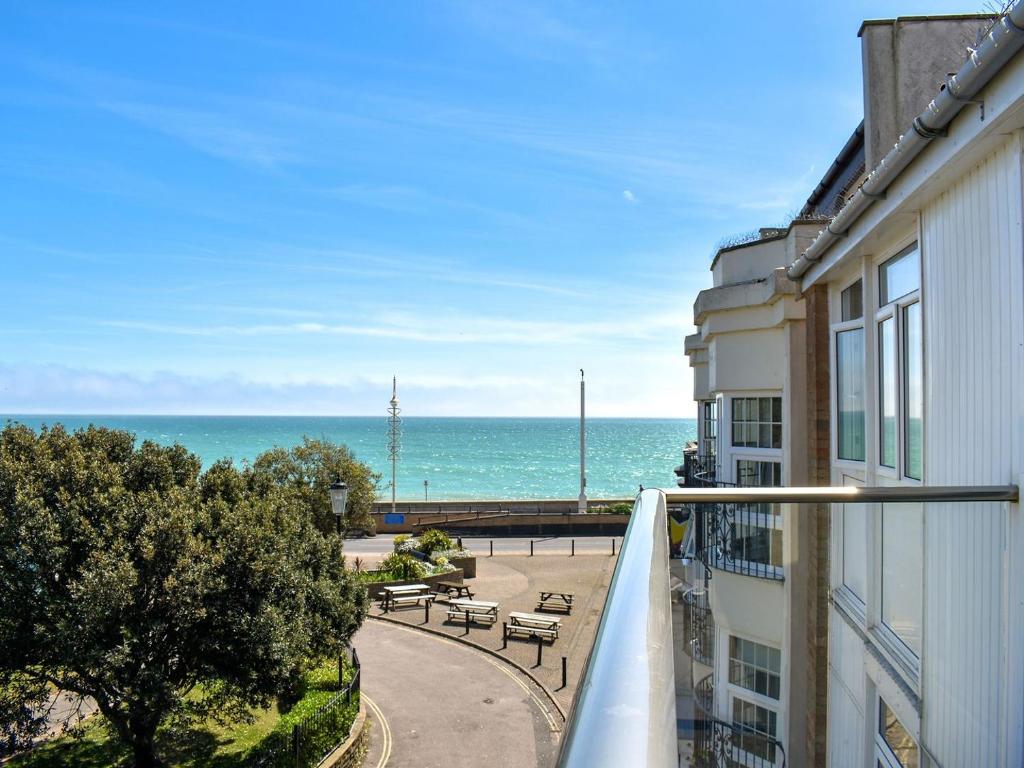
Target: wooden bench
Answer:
pixel 400 600
pixel 532 624
pixel 450 588
pixel 555 601
pixel 390 594
pixel 482 611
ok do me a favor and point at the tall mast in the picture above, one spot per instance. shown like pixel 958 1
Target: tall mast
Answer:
pixel 583 445
pixel 394 437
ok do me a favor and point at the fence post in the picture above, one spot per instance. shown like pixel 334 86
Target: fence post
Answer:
pixel 531 547
pixel 540 649
pixel 563 672
pixel 504 635
pixel 613 547
pixel 573 554
pixel 426 611
pixel 492 547
pixel 467 621
pixel 296 752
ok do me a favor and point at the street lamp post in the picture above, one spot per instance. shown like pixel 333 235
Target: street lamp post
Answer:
pixel 339 498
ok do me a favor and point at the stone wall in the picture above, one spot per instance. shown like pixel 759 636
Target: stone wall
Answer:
pixel 353 751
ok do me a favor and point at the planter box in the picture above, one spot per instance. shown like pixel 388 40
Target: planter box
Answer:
pixel 376 589
pixel 467 564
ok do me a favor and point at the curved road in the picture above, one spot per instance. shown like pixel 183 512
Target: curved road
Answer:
pixel 435 703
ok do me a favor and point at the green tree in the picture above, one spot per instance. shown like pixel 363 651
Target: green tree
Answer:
pixel 307 471
pixel 164 595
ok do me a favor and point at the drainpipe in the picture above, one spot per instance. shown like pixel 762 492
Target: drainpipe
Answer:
pixel 1003 41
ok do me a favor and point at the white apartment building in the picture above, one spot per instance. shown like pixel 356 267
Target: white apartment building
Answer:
pixel 923 269
pixel 748 358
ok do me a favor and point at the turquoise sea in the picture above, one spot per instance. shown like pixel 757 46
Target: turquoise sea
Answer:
pixel 460 458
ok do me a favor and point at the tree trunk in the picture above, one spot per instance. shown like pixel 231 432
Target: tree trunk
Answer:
pixel 143 743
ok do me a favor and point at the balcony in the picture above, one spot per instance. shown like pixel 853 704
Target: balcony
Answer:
pixel 740 537
pixel 697 471
pixel 700 626
pixel 718 744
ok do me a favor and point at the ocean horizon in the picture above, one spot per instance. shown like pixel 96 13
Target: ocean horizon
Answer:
pixel 460 457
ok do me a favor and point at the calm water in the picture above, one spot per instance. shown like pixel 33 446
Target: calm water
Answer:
pixel 460 458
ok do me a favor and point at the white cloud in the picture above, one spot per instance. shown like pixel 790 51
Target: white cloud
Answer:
pixel 629 197
pixel 58 389
pixel 444 328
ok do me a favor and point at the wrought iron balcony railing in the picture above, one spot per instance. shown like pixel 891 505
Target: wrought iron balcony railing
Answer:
pixel 743 538
pixel 699 471
pixel 700 626
pixel 721 744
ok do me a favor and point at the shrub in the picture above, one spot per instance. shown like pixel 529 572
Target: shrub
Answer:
pixel 402 566
pixel 400 539
pixel 433 540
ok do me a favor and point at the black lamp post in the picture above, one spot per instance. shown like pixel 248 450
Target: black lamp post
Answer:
pixel 339 498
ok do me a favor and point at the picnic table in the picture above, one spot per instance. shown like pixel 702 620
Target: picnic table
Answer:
pixel 472 610
pixel 405 594
pixel 451 588
pixel 555 601
pixel 532 624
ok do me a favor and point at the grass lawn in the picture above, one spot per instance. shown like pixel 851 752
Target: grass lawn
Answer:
pixel 208 745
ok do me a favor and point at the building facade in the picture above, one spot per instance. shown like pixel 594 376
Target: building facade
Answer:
pixel 876 341
pixel 925 303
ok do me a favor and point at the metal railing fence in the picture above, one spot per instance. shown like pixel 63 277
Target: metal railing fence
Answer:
pixel 316 735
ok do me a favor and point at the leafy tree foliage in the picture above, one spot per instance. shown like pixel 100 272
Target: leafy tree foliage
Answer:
pixel 162 594
pixel 307 471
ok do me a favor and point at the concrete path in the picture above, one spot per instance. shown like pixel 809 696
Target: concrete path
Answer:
pixel 437 704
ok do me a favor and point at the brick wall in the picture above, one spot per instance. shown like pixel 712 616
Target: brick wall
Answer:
pixel 819 446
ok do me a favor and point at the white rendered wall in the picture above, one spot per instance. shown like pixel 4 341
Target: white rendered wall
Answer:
pixel 750 360
pixel 972 294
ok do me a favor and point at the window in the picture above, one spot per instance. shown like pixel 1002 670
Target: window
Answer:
pixel 899 276
pixel 757 422
pixel 894 746
pixel 901 365
pixel 763 474
pixel 852 302
pixel 757 528
pixel 913 396
pixel 755 681
pixel 709 415
pixel 758 729
pixel 887 392
pixel 755 667
pixel 850 393
pixel 902 545
pixel 855 558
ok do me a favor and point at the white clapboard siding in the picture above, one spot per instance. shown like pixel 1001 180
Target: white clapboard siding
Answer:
pixel 973 290
pixel 845 694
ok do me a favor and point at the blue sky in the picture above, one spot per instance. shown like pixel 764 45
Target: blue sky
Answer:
pixel 272 208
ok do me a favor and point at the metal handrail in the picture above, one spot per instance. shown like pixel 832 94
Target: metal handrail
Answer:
pixel 842 494
pixel 624 712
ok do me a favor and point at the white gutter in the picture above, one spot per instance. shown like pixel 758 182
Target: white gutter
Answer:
pixel 1004 40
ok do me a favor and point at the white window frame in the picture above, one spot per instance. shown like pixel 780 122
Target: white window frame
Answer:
pixel 834 330
pixel 895 311
pixel 769 520
pixel 734 691
pixel 884 755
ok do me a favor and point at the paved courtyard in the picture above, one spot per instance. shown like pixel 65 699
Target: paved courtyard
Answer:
pixel 514 581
